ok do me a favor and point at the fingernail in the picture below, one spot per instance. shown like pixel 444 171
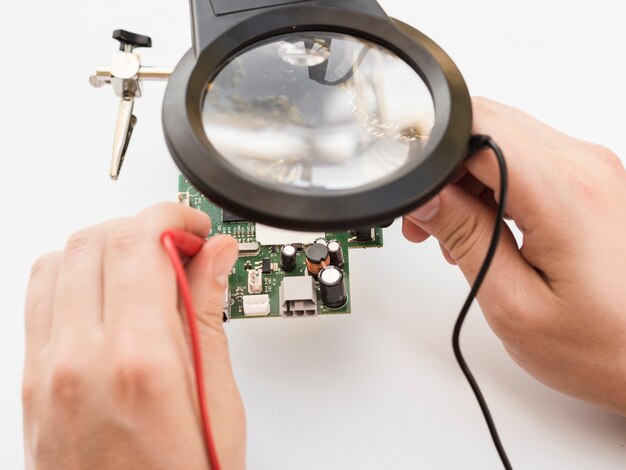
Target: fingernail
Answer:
pixel 426 212
pixel 223 262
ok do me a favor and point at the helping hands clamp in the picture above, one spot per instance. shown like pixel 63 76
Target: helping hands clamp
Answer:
pixel 125 75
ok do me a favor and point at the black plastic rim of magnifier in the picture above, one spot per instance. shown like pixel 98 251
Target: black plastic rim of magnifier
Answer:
pixel 293 208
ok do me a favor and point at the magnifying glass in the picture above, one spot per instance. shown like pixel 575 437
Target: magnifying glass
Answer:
pixel 310 115
pixel 314 114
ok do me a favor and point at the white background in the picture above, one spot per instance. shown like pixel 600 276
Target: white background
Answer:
pixel 380 388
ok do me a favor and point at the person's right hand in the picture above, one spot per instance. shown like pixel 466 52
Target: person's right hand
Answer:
pixel 108 376
pixel 559 303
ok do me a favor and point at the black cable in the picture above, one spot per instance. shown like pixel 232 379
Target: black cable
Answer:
pixel 480 142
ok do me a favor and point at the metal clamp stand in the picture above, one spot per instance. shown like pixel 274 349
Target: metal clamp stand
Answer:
pixel 125 74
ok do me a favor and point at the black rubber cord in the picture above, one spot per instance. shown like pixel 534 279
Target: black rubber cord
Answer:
pixel 480 142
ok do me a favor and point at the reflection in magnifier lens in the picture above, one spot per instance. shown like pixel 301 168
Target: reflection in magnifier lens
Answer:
pixel 318 111
pixel 304 53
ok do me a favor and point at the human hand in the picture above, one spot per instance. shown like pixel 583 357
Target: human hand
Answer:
pixel 559 303
pixel 108 379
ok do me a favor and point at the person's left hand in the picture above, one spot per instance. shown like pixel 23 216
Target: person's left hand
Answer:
pixel 108 380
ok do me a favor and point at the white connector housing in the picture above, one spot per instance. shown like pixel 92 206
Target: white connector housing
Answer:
pixel 256 305
pixel 298 297
pixel 255 281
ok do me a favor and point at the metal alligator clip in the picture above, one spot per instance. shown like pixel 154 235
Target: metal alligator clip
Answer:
pixel 125 75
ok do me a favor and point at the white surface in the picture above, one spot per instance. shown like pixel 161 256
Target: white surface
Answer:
pixel 380 388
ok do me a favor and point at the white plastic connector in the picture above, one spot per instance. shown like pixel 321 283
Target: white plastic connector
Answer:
pixel 297 297
pixel 256 305
pixel 255 281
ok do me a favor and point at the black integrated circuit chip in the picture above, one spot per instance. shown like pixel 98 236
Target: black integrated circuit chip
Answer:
pixel 230 217
pixel 267 266
pixel 364 234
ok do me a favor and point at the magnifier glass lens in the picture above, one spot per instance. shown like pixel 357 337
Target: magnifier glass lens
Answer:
pixel 319 111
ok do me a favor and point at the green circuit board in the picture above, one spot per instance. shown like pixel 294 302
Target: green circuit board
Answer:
pixel 257 254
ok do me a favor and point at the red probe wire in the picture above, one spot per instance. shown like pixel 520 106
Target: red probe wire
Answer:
pixel 177 243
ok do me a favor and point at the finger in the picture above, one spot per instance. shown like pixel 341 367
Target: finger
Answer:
pixel 534 201
pixel 412 232
pixel 464 226
pixel 467 181
pixel 459 174
pixel 471 184
pixel 446 254
pixel 78 301
pixel 488 197
pixel 39 299
pixel 476 188
pixel 208 274
pixel 139 283
pixel 545 134
pixel 161 217
pixel 578 164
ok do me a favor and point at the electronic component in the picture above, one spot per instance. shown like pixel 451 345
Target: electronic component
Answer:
pixel 333 287
pixel 273 236
pixel 298 297
pixel 336 253
pixel 230 217
pixel 256 305
pixel 317 258
pixel 249 249
pixel 266 266
pixel 322 241
pixel 288 258
pixel 184 199
pixel 364 234
pixel 253 253
pixel 255 281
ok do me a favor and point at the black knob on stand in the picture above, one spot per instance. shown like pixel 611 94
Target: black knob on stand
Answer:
pixel 132 40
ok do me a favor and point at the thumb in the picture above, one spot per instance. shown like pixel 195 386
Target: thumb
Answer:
pixel 208 275
pixel 463 224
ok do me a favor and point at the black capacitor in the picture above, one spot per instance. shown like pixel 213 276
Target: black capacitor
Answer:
pixel 333 287
pixel 336 253
pixel 317 258
pixel 288 258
